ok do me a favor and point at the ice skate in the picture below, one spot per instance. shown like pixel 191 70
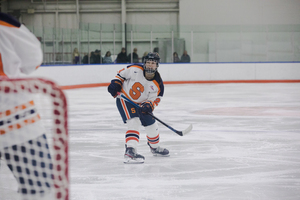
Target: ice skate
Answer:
pixel 159 151
pixel 131 157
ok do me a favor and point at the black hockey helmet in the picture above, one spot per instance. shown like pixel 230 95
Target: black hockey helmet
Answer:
pixel 151 57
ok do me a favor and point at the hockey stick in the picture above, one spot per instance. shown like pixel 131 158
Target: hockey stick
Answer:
pixel 181 133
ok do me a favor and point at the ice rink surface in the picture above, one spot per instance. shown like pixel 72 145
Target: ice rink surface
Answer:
pixel 245 145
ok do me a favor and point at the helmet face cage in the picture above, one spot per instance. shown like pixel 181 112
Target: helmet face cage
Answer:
pixel 151 57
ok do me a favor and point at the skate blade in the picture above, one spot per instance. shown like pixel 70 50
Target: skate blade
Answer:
pixel 129 160
pixel 133 161
pixel 159 155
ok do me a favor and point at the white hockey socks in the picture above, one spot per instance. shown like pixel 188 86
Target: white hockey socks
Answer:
pixel 132 137
pixel 152 135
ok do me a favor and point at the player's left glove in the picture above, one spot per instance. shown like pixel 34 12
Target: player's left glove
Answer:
pixel 147 107
pixel 114 87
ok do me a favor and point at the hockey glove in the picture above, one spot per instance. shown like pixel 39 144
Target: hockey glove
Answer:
pixel 114 87
pixel 147 107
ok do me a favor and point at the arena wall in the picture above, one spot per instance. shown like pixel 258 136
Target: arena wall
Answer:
pixel 75 76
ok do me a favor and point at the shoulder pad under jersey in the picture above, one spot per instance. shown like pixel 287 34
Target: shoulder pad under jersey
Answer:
pixel 7 20
pixel 136 66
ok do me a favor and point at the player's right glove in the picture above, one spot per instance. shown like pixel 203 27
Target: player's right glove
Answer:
pixel 114 87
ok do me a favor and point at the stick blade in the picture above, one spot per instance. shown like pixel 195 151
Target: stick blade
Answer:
pixel 186 131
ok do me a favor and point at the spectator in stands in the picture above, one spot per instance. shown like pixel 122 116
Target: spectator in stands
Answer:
pixel 185 58
pixel 143 58
pixel 75 56
pixel 135 56
pixel 176 59
pixel 156 49
pixel 92 57
pixel 107 58
pixel 96 57
pixel 85 59
pixel 122 56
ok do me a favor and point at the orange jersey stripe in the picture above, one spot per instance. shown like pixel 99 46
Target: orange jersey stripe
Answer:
pixel 19 125
pixel 157 85
pixel 16 109
pixel 122 80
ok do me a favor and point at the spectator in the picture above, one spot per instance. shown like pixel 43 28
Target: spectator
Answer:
pixel 143 58
pixel 85 59
pixel 176 59
pixel 122 56
pixel 92 57
pixel 107 58
pixel 75 56
pixel 185 58
pixel 156 49
pixel 135 56
pixel 96 57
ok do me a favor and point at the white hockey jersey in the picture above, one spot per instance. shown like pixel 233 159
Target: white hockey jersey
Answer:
pixel 20 52
pixel 137 88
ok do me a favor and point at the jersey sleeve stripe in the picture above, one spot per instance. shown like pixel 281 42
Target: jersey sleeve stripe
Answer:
pixel 158 87
pixel 121 78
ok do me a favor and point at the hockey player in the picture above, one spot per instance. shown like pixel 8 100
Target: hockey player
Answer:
pixel 23 145
pixel 143 85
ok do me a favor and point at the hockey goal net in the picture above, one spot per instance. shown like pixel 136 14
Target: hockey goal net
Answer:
pixel 34 138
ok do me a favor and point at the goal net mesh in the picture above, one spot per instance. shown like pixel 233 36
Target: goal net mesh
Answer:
pixel 34 137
